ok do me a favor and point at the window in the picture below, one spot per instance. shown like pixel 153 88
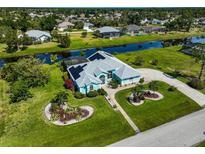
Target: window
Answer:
pixel 109 75
pixel 91 87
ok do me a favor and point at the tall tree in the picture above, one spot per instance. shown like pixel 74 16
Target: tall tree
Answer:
pixel 48 23
pixel 11 41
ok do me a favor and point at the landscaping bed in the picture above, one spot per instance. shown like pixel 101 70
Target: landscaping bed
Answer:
pixel 157 112
pixel 65 115
pixel 148 94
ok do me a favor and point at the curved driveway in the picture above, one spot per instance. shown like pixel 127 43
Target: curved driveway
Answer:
pixel 150 74
pixel 185 131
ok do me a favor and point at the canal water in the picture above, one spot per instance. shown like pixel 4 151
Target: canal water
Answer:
pixel 46 57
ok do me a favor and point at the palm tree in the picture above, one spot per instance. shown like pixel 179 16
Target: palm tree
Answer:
pixel 137 91
pixel 153 86
pixel 199 54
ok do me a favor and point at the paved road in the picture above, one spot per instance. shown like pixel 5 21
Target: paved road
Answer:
pixel 185 131
pixel 111 94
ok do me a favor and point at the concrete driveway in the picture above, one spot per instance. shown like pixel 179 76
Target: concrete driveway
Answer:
pixel 150 74
pixel 185 131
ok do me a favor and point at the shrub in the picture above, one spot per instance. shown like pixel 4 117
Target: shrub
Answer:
pixel 101 92
pixel 153 86
pixel 19 91
pixel 64 41
pixel 197 83
pixel 93 93
pixel 172 88
pixel 78 95
pixel 69 84
pixel 138 60
pixel 60 98
pixel 154 62
pixel 65 76
pixel 141 81
pixel 84 34
pixel 113 84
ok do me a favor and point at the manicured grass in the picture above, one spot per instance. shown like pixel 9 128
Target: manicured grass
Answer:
pixel 169 60
pixel 154 113
pixel 202 144
pixel 77 42
pixel 24 124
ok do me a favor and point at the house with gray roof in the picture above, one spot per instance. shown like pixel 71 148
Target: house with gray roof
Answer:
pixel 101 68
pixel 108 32
pixel 133 29
pixel 38 35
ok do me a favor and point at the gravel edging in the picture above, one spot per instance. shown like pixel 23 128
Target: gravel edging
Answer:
pixel 148 98
pixel 73 121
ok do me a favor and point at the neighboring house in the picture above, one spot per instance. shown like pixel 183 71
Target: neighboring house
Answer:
pixel 99 70
pixel 88 27
pixel 64 25
pixel 108 32
pixel 153 29
pixel 38 35
pixel 159 22
pixel 144 21
pixel 133 29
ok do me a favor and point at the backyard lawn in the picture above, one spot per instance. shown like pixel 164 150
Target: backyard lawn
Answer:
pixel 77 42
pixel 169 60
pixel 24 124
pixel 154 113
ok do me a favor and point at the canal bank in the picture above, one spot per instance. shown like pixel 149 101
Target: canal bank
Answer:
pixel 134 47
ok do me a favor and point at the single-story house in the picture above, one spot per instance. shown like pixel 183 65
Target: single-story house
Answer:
pixel 101 68
pixel 153 29
pixel 88 27
pixel 38 35
pixel 159 22
pixel 108 32
pixel 64 25
pixel 133 29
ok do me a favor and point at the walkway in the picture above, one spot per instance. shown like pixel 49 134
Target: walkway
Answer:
pixel 183 132
pixel 111 94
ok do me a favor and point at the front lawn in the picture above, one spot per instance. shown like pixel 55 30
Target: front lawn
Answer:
pixel 154 113
pixel 202 144
pixel 24 123
pixel 77 42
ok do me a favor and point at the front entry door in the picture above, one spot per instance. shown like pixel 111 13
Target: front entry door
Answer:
pixel 102 78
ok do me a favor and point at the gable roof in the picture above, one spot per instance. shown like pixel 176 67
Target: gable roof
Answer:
pixel 133 27
pixel 107 29
pixel 37 33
